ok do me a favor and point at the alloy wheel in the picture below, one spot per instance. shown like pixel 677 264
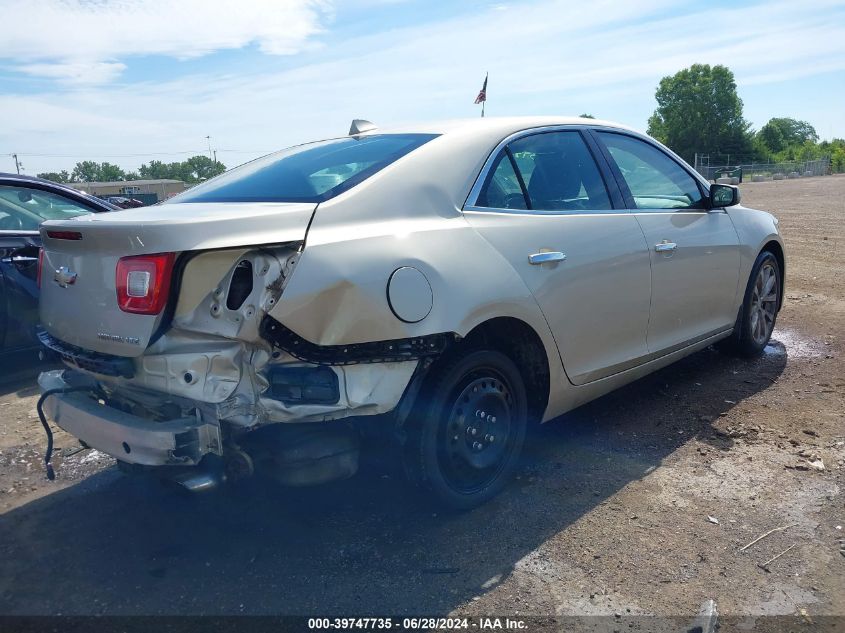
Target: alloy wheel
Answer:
pixel 764 301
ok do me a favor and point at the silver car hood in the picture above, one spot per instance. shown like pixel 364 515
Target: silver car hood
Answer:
pixel 85 312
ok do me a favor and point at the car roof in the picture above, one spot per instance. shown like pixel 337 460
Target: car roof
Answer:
pixel 58 188
pixel 494 125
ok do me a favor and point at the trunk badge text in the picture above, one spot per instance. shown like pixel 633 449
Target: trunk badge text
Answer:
pixel 116 338
pixel 64 276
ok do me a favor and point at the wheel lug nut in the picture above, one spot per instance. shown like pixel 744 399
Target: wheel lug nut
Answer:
pixel 490 418
pixel 479 413
pixel 489 438
pixel 477 446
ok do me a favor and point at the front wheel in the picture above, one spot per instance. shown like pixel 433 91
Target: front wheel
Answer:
pixel 468 429
pixel 759 310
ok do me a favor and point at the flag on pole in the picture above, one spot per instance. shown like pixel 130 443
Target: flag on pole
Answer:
pixel 482 95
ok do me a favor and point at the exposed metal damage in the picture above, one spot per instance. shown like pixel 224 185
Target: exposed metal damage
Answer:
pixel 221 366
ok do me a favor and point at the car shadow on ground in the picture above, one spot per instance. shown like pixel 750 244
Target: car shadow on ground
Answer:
pixel 367 546
pixel 19 372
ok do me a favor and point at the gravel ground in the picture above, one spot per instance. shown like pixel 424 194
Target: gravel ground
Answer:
pixel 637 503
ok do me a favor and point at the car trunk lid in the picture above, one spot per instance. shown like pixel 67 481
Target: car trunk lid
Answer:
pixel 79 303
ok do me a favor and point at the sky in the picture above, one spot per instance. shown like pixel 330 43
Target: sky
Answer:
pixel 129 81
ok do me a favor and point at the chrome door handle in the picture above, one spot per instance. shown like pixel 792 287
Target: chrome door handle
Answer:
pixel 18 259
pixel 544 258
pixel 665 247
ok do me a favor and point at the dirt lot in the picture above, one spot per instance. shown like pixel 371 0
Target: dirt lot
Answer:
pixel 611 513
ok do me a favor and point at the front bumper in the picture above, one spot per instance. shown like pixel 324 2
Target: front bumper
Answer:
pixel 127 437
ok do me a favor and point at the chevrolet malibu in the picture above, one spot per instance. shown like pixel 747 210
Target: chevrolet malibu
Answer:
pixel 436 290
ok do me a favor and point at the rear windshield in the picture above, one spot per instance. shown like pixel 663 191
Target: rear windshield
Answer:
pixel 307 173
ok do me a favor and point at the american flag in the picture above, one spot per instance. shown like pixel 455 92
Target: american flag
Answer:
pixel 482 96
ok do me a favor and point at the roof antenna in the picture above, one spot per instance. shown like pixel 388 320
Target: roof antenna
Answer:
pixel 359 126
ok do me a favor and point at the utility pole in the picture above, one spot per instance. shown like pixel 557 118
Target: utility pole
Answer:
pixel 17 164
pixel 208 138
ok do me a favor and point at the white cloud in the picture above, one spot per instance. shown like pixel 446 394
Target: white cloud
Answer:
pixel 75 72
pixel 544 57
pixel 82 40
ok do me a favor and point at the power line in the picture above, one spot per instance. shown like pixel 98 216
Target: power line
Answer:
pixel 142 155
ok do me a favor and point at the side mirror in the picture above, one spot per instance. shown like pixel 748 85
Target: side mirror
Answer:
pixel 723 196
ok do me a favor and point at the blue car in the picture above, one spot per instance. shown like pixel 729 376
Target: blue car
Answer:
pixel 25 202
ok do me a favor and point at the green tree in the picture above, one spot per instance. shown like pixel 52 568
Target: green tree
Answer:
pixel 203 168
pixel 109 172
pixel 771 138
pixel 92 171
pixel 56 176
pixel 159 170
pixel 587 116
pixel 192 170
pixel 782 132
pixel 699 110
pixel 156 169
pixel 836 150
pixel 86 171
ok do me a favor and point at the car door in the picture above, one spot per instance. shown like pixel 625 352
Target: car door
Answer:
pixel 22 209
pixel 694 250
pixel 18 289
pixel 545 205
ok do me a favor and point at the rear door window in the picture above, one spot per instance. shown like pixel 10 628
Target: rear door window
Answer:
pixel 307 173
pixel 503 190
pixel 555 171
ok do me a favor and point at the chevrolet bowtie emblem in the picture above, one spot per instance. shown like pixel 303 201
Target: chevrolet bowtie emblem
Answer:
pixel 64 276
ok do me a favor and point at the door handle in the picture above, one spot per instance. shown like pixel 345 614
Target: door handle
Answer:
pixel 665 247
pixel 18 259
pixel 544 258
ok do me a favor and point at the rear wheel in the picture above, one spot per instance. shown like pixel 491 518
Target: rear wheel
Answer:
pixel 468 429
pixel 759 311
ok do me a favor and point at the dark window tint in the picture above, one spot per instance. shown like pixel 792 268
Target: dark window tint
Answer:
pixel 656 181
pixel 502 189
pixel 307 173
pixel 23 209
pixel 559 172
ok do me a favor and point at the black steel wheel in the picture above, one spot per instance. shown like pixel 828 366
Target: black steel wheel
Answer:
pixel 469 428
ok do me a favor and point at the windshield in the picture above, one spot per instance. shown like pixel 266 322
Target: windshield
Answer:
pixel 23 209
pixel 307 173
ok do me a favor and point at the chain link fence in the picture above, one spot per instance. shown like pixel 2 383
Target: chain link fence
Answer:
pixel 757 172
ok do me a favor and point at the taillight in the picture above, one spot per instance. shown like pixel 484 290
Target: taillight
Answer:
pixel 143 282
pixel 40 264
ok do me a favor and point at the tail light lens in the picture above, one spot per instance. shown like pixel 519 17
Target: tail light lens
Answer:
pixel 40 265
pixel 143 282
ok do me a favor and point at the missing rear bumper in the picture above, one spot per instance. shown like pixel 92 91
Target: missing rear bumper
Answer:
pixel 128 438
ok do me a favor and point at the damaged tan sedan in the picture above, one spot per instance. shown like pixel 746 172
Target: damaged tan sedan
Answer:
pixel 435 290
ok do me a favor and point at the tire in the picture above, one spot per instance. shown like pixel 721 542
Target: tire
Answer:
pixel 468 428
pixel 758 314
